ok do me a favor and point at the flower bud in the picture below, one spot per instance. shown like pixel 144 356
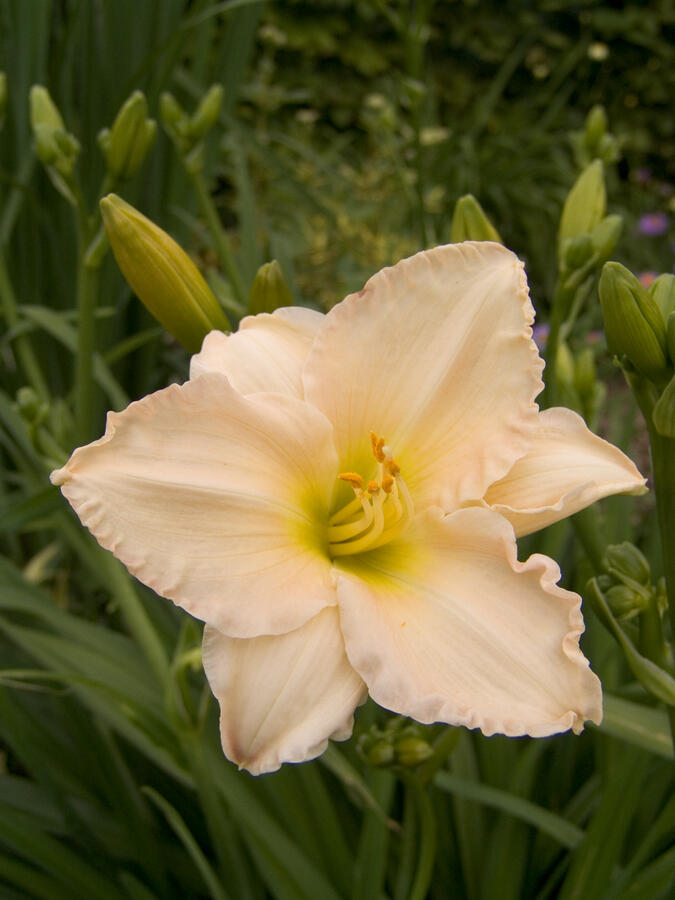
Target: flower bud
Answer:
pixel 161 274
pixel 469 222
pixel 380 753
pixel 30 407
pixel 585 204
pixel 663 414
pixel 625 603
pixel 662 292
pixel 575 252
pixel 605 236
pixel 633 322
pixel 127 143
pixel 626 560
pixel 595 128
pixel 43 110
pixel 207 112
pixel 55 147
pixel 411 751
pixel 269 290
pixel 173 116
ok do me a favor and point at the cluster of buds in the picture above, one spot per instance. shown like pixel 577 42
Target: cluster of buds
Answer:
pixel 634 610
pixel 188 132
pixel 400 743
pixel 640 329
pixel 127 143
pixel 56 147
pixel 586 236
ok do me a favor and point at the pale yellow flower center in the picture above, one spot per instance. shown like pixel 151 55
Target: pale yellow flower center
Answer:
pixel 380 511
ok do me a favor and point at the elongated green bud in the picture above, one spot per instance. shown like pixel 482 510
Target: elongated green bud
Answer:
pixel 585 204
pixel 662 292
pixel 633 322
pixel 605 236
pixel 469 222
pixel 43 110
pixel 663 414
pixel 172 114
pixel 55 146
pixel 269 290
pixel 161 274
pixel 128 142
pixel 595 128
pixel 207 112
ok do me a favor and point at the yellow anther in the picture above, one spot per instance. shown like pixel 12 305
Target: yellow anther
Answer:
pixel 377 444
pixel 372 487
pixel 387 483
pixel 391 467
pixel 352 478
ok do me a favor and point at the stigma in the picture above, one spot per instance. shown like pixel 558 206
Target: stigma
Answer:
pixel 380 510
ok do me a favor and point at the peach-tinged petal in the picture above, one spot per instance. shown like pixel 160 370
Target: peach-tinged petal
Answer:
pixel 446 625
pixel 282 697
pixel 267 353
pixel 213 499
pixel 436 355
pixel 565 469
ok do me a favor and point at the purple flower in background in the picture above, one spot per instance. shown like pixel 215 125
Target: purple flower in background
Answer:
pixel 540 335
pixel 653 224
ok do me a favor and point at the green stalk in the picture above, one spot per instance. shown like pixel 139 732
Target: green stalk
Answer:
pixel 24 349
pixel 427 845
pixel 87 284
pixel 443 748
pixel 220 239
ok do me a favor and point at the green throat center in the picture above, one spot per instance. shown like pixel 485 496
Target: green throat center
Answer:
pixel 380 510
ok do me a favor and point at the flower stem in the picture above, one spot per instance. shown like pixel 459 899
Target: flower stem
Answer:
pixel 443 748
pixel 220 239
pixel 24 349
pixel 87 284
pixel 427 845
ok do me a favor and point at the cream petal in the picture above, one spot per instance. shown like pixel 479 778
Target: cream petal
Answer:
pixel 565 469
pixel 282 697
pixel 267 353
pixel 214 500
pixel 435 355
pixel 446 625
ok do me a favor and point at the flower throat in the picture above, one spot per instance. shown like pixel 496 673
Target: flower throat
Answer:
pixel 380 510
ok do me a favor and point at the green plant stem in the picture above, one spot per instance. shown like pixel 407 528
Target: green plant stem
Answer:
pixel 663 474
pixel 220 239
pixel 87 284
pixel 589 531
pixel 24 349
pixel 443 748
pixel 427 845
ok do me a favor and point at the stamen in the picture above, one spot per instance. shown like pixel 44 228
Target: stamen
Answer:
pixel 352 529
pixel 347 548
pixel 352 478
pixel 378 513
pixel 377 444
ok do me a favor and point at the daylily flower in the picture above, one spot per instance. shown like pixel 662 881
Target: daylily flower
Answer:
pixel 338 497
